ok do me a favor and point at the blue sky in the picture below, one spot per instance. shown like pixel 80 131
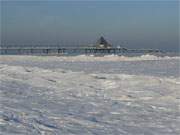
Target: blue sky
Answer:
pixel 132 24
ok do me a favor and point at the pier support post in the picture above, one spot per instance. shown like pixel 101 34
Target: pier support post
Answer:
pixel 58 51
pixel 109 50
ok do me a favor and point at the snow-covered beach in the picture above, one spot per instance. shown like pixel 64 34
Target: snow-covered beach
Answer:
pixel 87 95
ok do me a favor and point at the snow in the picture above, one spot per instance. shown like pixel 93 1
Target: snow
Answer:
pixel 83 58
pixel 43 95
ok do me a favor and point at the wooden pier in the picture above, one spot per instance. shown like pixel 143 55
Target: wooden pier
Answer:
pixel 68 50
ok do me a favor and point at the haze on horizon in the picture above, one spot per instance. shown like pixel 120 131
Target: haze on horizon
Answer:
pixel 131 24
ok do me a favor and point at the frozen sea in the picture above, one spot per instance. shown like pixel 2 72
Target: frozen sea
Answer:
pixel 87 95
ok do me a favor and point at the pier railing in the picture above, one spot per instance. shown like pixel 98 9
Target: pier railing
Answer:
pixel 69 50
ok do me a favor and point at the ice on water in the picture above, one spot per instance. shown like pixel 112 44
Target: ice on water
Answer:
pixel 87 95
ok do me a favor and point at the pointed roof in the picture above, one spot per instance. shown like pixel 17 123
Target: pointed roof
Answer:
pixel 102 43
pixel 101 40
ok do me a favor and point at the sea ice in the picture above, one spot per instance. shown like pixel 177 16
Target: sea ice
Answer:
pixel 41 95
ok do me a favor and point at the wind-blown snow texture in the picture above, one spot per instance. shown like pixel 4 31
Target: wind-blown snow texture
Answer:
pixel 87 95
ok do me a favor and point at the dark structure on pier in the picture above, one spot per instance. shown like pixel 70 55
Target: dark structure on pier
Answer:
pixel 102 43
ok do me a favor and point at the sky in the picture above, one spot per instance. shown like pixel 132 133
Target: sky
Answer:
pixel 131 24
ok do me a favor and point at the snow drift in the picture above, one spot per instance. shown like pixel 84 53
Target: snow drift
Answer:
pixel 57 101
pixel 91 58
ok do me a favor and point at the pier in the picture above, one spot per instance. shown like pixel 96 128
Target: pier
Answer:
pixel 69 50
pixel 102 46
